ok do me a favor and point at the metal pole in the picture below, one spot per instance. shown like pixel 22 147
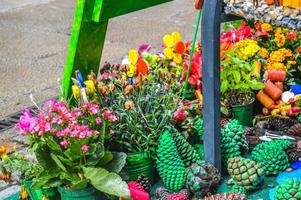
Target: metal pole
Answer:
pixel 211 20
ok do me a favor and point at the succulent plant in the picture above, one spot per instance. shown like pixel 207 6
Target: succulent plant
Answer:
pixel 290 189
pixel 272 156
pixel 238 189
pixel 294 156
pixel 164 194
pixel 245 172
pixel 201 178
pixel 185 150
pixel 228 196
pixel 170 166
pixel 235 131
pixel 294 130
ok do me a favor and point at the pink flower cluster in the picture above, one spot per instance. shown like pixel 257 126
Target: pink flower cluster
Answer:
pixel 242 32
pixel 56 119
pixel 108 115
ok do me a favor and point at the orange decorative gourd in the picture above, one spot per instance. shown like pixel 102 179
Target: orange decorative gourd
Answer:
pixel 286 2
pixel 264 99
pixel 269 2
pixel 272 90
pixel 276 75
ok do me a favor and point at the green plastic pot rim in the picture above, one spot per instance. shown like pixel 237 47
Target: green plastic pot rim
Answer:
pixel 246 105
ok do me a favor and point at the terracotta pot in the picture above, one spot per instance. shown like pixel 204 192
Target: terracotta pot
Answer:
pixel 269 2
pixel 272 90
pixel 296 4
pixel 264 99
pixel 276 75
pixel 279 85
pixel 286 2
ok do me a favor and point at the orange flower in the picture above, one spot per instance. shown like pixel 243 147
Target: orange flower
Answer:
pixel 129 105
pixel 264 53
pixel 280 39
pixel 128 89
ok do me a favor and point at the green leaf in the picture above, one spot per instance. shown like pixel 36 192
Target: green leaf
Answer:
pixel 106 182
pixel 236 76
pixel 117 163
pixel 107 158
pixel 224 86
pixel 58 162
pixel 79 184
pixel 53 145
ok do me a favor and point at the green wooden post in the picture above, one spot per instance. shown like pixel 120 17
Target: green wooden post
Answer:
pixel 89 31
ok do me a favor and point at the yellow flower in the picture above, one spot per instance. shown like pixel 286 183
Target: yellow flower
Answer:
pixel 291 62
pixel 276 66
pixel 278 31
pixel 174 47
pixel 266 27
pixel 133 56
pixel 90 89
pixel 132 71
pixel 264 53
pixel 280 39
pixel 246 49
pixel 76 91
pixel 3 151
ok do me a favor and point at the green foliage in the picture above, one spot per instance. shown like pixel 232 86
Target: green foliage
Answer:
pixel 238 189
pixel 169 164
pixel 237 75
pixel 198 125
pixel 106 182
pixel 140 127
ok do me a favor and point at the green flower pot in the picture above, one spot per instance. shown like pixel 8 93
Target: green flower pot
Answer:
pixel 243 113
pixel 81 194
pixel 51 193
pixel 138 164
pixel 35 194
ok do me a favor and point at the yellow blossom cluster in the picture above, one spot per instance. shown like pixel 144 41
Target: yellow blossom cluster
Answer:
pixel 279 37
pixel 276 59
pixel 246 49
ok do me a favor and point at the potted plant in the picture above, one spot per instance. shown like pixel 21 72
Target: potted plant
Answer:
pixel 69 145
pixel 239 78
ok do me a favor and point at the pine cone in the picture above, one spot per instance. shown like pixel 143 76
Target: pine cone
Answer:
pixel 144 182
pixel 198 126
pixel 185 150
pixel 165 194
pixel 224 122
pixel 238 189
pixel 294 130
pixel 272 156
pixel 201 178
pixel 169 164
pixel 228 196
pixel 229 149
pixel 289 189
pixel 161 193
pixel 294 156
pixel 245 172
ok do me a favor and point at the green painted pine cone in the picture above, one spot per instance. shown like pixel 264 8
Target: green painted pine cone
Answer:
pixel 238 189
pixel 236 131
pixel 272 156
pixel 185 150
pixel 198 125
pixel 245 172
pixel 229 149
pixel 169 164
pixel 288 190
pixel 201 178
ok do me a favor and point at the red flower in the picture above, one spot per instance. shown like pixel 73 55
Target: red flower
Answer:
pixel 180 115
pixel 299 49
pixel 292 36
pixel 257 26
pixel 195 69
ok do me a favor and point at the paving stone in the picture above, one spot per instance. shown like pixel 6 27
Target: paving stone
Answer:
pixel 9 191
